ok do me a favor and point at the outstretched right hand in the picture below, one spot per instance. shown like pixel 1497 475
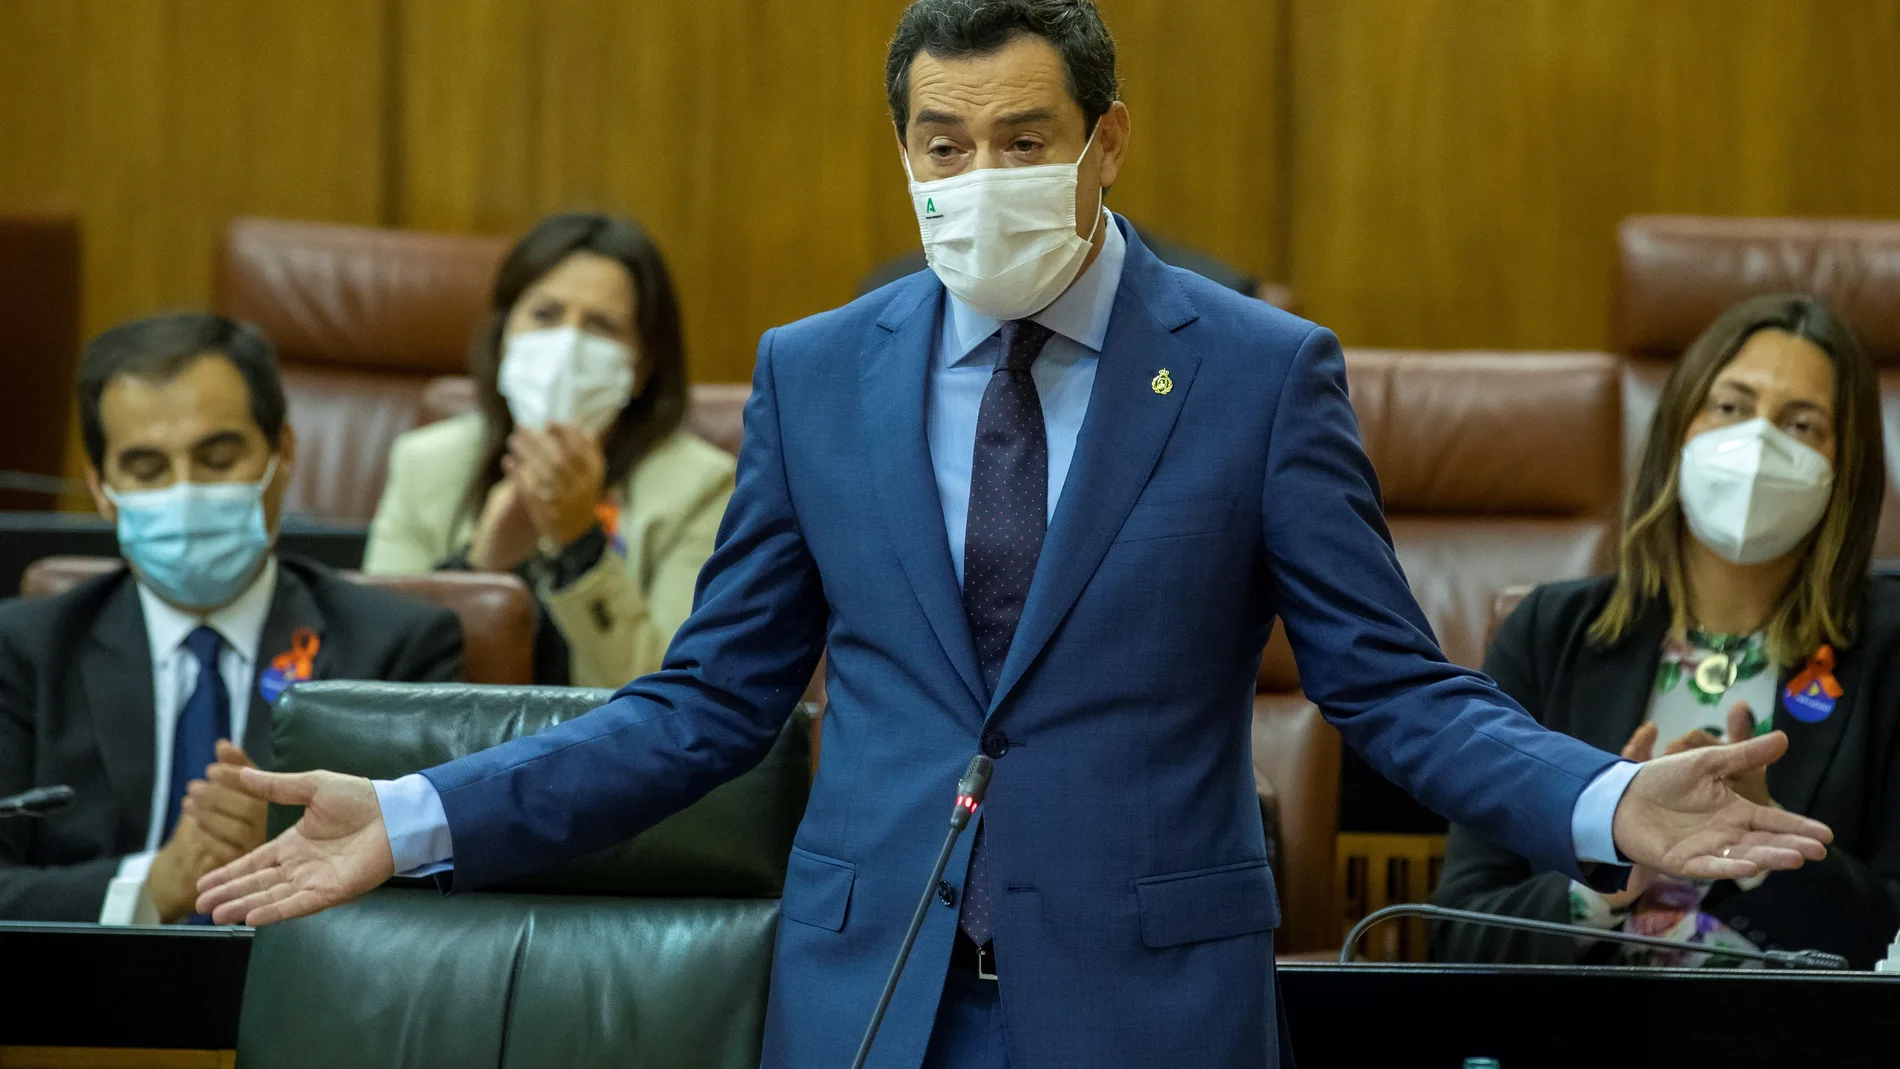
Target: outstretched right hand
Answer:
pixel 338 850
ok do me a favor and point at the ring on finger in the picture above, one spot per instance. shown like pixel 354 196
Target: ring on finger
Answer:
pixel 1725 851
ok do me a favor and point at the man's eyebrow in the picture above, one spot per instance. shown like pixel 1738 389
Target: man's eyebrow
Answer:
pixel 931 116
pixel 1020 118
pixel 218 438
pixel 139 452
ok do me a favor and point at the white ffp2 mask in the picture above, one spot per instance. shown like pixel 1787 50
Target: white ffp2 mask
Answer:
pixel 1752 492
pixel 1003 238
pixel 565 375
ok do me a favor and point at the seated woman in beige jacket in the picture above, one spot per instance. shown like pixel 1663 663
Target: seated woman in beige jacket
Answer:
pixel 574 474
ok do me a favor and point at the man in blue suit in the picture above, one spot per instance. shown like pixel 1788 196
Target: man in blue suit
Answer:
pixel 1042 502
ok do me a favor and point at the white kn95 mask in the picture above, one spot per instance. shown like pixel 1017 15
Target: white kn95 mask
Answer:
pixel 1751 492
pixel 565 375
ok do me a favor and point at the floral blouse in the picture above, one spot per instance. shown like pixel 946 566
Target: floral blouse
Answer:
pixel 1697 683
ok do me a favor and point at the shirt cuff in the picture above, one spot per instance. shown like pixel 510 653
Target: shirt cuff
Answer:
pixel 126 901
pixel 418 826
pixel 1592 823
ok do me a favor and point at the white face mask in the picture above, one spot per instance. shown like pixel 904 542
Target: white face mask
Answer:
pixel 1003 238
pixel 1751 492
pixel 565 375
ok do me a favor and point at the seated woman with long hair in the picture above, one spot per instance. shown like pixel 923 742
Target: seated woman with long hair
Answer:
pixel 1742 603
pixel 574 474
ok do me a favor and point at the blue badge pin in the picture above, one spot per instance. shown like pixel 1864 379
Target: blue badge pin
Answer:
pixel 1812 695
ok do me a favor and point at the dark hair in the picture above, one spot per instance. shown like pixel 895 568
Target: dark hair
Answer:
pixel 650 417
pixel 1822 603
pixel 161 346
pixel 957 28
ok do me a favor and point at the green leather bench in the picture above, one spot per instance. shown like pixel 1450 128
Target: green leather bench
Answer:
pixel 654 952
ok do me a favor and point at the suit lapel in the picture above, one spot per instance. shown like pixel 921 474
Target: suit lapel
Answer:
pixel 291 608
pixel 115 675
pixel 894 374
pixel 1127 424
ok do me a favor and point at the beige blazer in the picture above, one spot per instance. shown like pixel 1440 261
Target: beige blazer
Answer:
pixel 619 617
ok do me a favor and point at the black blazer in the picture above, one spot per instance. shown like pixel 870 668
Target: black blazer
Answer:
pixel 76 708
pixel 1840 771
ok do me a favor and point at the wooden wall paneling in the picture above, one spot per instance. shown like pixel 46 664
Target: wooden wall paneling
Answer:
pixel 1202 80
pixel 750 138
pixel 159 119
pixel 1459 165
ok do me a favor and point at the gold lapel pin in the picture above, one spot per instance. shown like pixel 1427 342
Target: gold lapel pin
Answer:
pixel 1162 384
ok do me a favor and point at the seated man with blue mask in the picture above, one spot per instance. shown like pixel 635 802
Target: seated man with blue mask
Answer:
pixel 131 685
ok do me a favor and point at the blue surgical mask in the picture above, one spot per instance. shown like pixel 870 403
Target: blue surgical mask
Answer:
pixel 197 545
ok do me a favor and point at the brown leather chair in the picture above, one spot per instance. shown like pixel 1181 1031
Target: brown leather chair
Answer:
pixel 39 350
pixel 1497 469
pixel 363 319
pixel 714 410
pixel 496 610
pixel 1676 273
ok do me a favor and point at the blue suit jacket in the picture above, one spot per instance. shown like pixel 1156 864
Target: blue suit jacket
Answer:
pixel 1133 908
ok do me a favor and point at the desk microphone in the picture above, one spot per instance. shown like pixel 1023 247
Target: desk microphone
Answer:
pixel 970 790
pixel 1787 959
pixel 37 802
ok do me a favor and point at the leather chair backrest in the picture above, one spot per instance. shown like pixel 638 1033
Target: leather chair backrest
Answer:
pixel 363 318
pixel 731 844
pixel 714 410
pixel 1676 273
pixel 1496 469
pixel 496 610
pixel 600 975
pixel 39 348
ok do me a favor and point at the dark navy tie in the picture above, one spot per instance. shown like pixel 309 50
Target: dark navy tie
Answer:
pixel 204 720
pixel 1009 512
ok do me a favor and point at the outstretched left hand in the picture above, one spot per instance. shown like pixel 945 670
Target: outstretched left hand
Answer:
pixel 1682 816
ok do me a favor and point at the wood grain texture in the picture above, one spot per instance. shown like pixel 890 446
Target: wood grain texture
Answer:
pixel 750 138
pixel 1459 165
pixel 1201 79
pixel 157 120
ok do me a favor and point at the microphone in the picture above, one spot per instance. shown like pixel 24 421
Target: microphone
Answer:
pixel 970 790
pixel 37 802
pixel 1787 959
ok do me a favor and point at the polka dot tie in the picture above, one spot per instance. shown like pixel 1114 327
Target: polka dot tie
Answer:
pixel 1009 512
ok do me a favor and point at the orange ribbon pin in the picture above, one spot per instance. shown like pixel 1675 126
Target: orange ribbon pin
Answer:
pixel 1820 670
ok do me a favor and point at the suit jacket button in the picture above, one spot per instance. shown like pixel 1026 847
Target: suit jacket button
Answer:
pixel 946 893
pixel 995 744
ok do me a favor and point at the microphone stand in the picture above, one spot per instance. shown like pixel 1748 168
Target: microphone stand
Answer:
pixel 37 802
pixel 1787 959
pixel 970 790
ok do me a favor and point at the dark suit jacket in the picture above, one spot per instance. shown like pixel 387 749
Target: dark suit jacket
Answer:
pixel 1841 771
pixel 1133 904
pixel 76 708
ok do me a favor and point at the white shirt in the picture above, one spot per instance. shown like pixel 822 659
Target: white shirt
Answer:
pixel 174 678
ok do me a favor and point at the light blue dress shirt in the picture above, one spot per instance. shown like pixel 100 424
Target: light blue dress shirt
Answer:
pixel 967 351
